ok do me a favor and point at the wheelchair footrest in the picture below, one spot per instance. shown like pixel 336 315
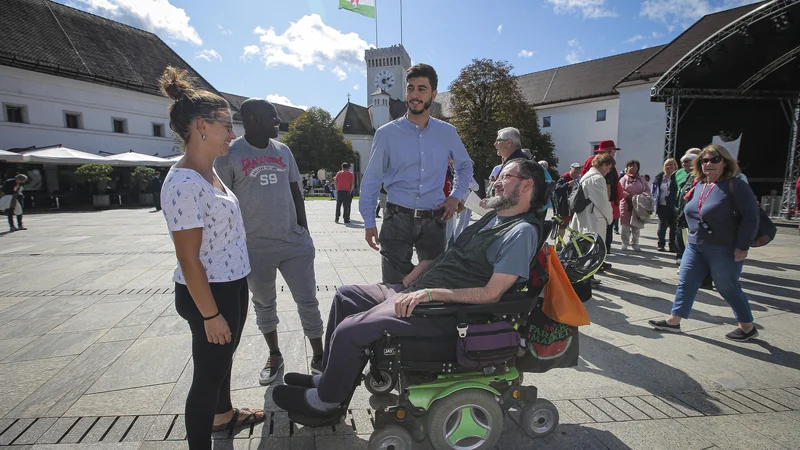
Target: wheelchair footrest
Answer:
pixel 315 421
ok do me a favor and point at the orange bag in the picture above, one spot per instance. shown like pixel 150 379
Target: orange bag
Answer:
pixel 561 303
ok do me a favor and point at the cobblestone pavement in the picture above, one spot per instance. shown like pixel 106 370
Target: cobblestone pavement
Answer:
pixel 94 356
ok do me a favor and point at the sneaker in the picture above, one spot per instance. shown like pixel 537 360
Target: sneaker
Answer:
pixel 270 371
pixel 316 365
pixel 636 248
pixel 662 249
pixel 336 220
pixel 21 228
pixel 740 336
pixel 662 325
pixel 625 247
pixel 594 282
pixel 14 229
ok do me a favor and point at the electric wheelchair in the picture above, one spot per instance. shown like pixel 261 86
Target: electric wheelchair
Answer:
pixel 453 406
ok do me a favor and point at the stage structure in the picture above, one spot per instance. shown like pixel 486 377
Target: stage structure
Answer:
pixel 755 58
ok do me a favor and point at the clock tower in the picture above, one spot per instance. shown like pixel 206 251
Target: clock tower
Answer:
pixel 386 70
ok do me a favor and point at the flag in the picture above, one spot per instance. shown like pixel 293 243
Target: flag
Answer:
pixel 363 7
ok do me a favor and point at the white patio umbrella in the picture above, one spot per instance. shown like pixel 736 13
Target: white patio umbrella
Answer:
pixel 10 156
pixel 133 158
pixel 61 155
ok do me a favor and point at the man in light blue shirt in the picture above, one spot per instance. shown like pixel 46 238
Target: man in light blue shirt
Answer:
pixel 410 157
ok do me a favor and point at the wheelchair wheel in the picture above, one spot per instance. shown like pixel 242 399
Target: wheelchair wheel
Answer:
pixel 539 419
pixel 380 388
pixel 465 420
pixel 393 437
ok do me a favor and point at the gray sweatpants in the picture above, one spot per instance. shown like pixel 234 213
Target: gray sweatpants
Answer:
pixel 297 267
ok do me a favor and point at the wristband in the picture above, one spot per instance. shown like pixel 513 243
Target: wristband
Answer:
pixel 430 296
pixel 211 317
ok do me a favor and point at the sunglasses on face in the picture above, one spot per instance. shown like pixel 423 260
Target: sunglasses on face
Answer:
pixel 713 160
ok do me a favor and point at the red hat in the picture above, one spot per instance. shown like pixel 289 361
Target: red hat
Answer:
pixel 606 146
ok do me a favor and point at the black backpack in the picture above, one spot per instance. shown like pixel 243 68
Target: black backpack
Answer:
pixel 578 201
pixel 561 198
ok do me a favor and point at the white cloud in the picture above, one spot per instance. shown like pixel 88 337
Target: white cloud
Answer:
pixel 283 100
pixel 575 54
pixel 500 28
pixel 224 31
pixel 685 12
pixel 590 9
pixel 209 54
pixel 321 66
pixel 355 87
pixel 157 16
pixel 340 74
pixel 640 37
pixel 250 51
pixel 309 42
pixel 525 53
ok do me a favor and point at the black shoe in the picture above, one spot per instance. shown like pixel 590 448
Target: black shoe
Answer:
pixel 377 216
pixel 270 371
pixel 740 336
pixel 336 220
pixel 293 400
pixel 299 379
pixel 604 267
pixel 662 249
pixel 316 365
pixel 346 221
pixel 662 325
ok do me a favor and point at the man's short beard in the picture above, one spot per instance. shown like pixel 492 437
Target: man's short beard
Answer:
pixel 501 203
pixel 425 106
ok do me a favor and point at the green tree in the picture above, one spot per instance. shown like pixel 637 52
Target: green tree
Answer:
pixel 141 177
pixel 484 98
pixel 317 143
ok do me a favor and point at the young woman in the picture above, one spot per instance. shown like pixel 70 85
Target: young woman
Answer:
pixel 206 226
pixel 722 214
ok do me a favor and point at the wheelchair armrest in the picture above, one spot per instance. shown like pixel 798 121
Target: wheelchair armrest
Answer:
pixel 510 303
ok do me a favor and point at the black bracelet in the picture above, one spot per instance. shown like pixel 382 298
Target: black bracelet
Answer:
pixel 209 318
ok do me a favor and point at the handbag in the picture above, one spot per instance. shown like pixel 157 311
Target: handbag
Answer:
pixel 488 344
pixel 546 344
pixel 561 303
pixel 766 229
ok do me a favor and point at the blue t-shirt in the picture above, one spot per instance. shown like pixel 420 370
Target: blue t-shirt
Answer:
pixel 512 254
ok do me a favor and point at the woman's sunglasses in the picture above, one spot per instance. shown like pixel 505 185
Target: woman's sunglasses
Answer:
pixel 714 160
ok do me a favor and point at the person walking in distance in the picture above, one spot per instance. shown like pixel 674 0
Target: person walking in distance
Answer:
pixel 665 194
pixel 205 224
pixel 410 157
pixel 263 173
pixel 12 200
pixel 155 188
pixel 344 182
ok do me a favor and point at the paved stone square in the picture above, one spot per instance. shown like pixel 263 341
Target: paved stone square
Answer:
pixel 94 356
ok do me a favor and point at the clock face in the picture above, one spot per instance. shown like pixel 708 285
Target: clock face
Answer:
pixel 384 80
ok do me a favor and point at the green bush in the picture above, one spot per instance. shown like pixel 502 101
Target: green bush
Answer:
pixel 94 173
pixel 141 176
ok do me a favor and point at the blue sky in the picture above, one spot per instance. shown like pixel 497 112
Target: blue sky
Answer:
pixel 309 53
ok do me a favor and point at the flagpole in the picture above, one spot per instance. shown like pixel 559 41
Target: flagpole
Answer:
pixel 376 23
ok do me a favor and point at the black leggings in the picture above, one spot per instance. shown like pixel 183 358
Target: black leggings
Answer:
pixel 210 393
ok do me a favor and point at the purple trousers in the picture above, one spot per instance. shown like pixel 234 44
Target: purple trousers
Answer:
pixel 359 315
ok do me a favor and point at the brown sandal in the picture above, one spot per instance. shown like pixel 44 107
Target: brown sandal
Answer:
pixel 255 416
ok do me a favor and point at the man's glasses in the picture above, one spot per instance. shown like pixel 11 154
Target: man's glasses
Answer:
pixel 497 141
pixel 227 123
pixel 504 177
pixel 714 160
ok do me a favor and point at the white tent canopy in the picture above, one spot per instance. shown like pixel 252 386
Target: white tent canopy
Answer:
pixel 10 156
pixel 133 158
pixel 61 155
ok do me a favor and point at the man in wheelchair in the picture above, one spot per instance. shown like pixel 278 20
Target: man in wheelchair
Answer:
pixel 488 259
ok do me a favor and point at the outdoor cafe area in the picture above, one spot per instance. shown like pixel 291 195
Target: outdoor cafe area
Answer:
pixel 53 183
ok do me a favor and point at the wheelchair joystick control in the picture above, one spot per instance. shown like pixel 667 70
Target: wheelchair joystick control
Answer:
pixel 462 330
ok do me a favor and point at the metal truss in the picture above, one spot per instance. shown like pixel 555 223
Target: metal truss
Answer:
pixel 672 105
pixel 727 94
pixel 788 200
pixel 784 59
pixel 741 25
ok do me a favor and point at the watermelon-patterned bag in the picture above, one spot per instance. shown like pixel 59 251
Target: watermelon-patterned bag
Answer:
pixel 546 344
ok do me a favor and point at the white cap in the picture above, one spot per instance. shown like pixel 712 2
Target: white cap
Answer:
pixel 689 157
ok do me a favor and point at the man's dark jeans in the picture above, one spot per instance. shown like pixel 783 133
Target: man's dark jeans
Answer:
pixel 343 198
pixel 666 220
pixel 400 234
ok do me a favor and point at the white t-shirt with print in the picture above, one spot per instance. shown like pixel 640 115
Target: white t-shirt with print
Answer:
pixel 189 201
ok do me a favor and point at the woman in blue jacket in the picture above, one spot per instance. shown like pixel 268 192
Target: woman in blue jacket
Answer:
pixel 722 214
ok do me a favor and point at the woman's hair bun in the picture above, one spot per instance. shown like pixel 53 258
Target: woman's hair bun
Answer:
pixel 176 83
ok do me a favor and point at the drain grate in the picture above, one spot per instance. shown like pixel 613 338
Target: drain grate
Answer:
pixel 171 427
pixel 87 292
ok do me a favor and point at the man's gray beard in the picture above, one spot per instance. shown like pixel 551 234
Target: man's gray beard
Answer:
pixel 500 203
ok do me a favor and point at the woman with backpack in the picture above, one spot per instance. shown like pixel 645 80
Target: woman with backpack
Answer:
pixel 722 214
pixel 595 216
